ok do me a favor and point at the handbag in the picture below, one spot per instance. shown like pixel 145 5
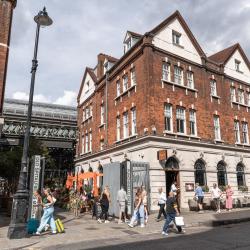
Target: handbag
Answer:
pixel 179 221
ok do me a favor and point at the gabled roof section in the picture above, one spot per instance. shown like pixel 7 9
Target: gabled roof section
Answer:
pixel 177 15
pixel 133 34
pixel 110 58
pixel 224 55
pixel 91 72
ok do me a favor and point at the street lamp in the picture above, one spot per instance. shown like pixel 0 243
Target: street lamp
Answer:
pixel 17 227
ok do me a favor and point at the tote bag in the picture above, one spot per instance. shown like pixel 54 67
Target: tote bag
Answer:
pixel 179 221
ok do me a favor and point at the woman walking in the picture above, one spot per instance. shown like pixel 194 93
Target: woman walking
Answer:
pixel 104 202
pixel 39 205
pixel 48 210
pixel 138 209
pixel 229 199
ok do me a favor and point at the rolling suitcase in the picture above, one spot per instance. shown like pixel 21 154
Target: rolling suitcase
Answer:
pixel 59 226
pixel 32 225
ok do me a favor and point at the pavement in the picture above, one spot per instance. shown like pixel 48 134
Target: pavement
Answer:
pixel 85 233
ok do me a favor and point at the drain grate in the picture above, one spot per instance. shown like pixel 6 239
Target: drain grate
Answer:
pixel 130 232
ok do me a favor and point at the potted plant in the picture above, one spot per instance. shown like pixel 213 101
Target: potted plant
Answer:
pixel 243 188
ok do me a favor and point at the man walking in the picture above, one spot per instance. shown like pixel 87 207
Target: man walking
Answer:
pixel 199 195
pixel 122 199
pixel 216 195
pixel 161 203
pixel 172 211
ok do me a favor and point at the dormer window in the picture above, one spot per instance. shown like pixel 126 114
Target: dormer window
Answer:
pixel 176 37
pixel 107 65
pixel 237 65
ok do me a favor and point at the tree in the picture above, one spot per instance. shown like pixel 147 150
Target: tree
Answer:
pixel 10 159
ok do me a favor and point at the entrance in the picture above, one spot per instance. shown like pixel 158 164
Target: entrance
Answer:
pixel 172 175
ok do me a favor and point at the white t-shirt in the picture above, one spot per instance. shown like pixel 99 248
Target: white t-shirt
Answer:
pixel 173 189
pixel 216 192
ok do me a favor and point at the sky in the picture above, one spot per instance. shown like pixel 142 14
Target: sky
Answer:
pixel 82 29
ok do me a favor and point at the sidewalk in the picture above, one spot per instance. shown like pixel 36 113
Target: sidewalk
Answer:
pixel 86 230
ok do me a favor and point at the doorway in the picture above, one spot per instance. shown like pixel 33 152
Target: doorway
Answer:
pixel 172 174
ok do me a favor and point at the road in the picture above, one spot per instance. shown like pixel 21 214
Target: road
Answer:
pixel 226 237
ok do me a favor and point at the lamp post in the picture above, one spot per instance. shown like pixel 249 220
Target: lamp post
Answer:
pixel 17 227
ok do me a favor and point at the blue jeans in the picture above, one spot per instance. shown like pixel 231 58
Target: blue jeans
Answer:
pixel 138 214
pixel 47 218
pixel 169 219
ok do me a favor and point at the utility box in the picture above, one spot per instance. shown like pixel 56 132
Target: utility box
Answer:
pixel 129 174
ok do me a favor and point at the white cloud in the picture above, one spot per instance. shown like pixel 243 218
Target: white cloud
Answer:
pixel 25 97
pixel 68 98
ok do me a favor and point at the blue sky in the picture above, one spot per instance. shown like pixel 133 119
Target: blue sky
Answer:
pixel 84 28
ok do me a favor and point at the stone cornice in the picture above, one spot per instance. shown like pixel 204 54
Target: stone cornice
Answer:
pixel 12 1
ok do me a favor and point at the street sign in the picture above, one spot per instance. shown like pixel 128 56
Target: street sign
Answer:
pixel 34 178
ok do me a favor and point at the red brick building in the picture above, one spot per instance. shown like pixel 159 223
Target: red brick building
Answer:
pixel 6 12
pixel 164 93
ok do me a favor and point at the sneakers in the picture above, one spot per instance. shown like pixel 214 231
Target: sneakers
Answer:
pixel 127 221
pixel 54 232
pixel 120 222
pixel 142 225
pixel 99 220
pixel 106 221
pixel 201 212
pixel 164 233
pixel 130 225
pixel 37 233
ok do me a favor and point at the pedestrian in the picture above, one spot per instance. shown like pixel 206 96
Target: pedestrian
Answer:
pixel 39 204
pixel 145 203
pixel 161 203
pixel 76 200
pixel 216 196
pixel 104 202
pixel 138 209
pixel 48 210
pixel 229 198
pixel 174 188
pixel 199 195
pixel 121 200
pixel 172 211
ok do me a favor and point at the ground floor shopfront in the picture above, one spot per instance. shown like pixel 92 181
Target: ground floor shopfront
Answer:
pixel 186 162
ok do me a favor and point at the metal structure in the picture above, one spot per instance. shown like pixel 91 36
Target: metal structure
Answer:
pixel 17 228
pixel 55 125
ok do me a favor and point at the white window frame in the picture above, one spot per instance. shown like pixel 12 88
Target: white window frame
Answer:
pixel 213 87
pixel 86 143
pixel 241 96
pixel 165 71
pixel 118 88
pixel 237 65
pixel 237 131
pixel 133 77
pixel 233 94
pixel 83 115
pixel 125 125
pixel 217 132
pixel 245 136
pixel 90 141
pixel 118 128
pixel 176 37
pixel 168 114
pixel 102 114
pixel 178 75
pixel 125 83
pixel 190 79
pixel 181 117
pixel 133 122
pixel 192 121
pixel 101 144
pixel 83 145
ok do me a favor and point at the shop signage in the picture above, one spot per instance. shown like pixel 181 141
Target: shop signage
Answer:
pixel 189 187
pixel 162 155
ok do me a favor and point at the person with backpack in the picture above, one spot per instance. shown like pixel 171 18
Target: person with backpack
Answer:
pixel 199 196
pixel 48 211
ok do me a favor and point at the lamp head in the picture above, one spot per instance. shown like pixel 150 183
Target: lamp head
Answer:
pixel 42 18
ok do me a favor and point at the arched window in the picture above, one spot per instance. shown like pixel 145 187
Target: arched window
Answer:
pixel 100 170
pixel 240 175
pixel 221 173
pixel 172 163
pixel 200 172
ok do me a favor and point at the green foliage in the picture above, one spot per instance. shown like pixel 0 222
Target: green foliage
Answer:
pixel 243 188
pixel 205 189
pixel 10 159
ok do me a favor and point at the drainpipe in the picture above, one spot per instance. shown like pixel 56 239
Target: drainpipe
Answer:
pixel 106 109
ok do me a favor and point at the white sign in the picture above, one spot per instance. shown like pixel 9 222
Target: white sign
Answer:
pixel 36 177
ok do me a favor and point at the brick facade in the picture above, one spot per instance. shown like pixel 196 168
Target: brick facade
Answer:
pixel 149 96
pixel 6 12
